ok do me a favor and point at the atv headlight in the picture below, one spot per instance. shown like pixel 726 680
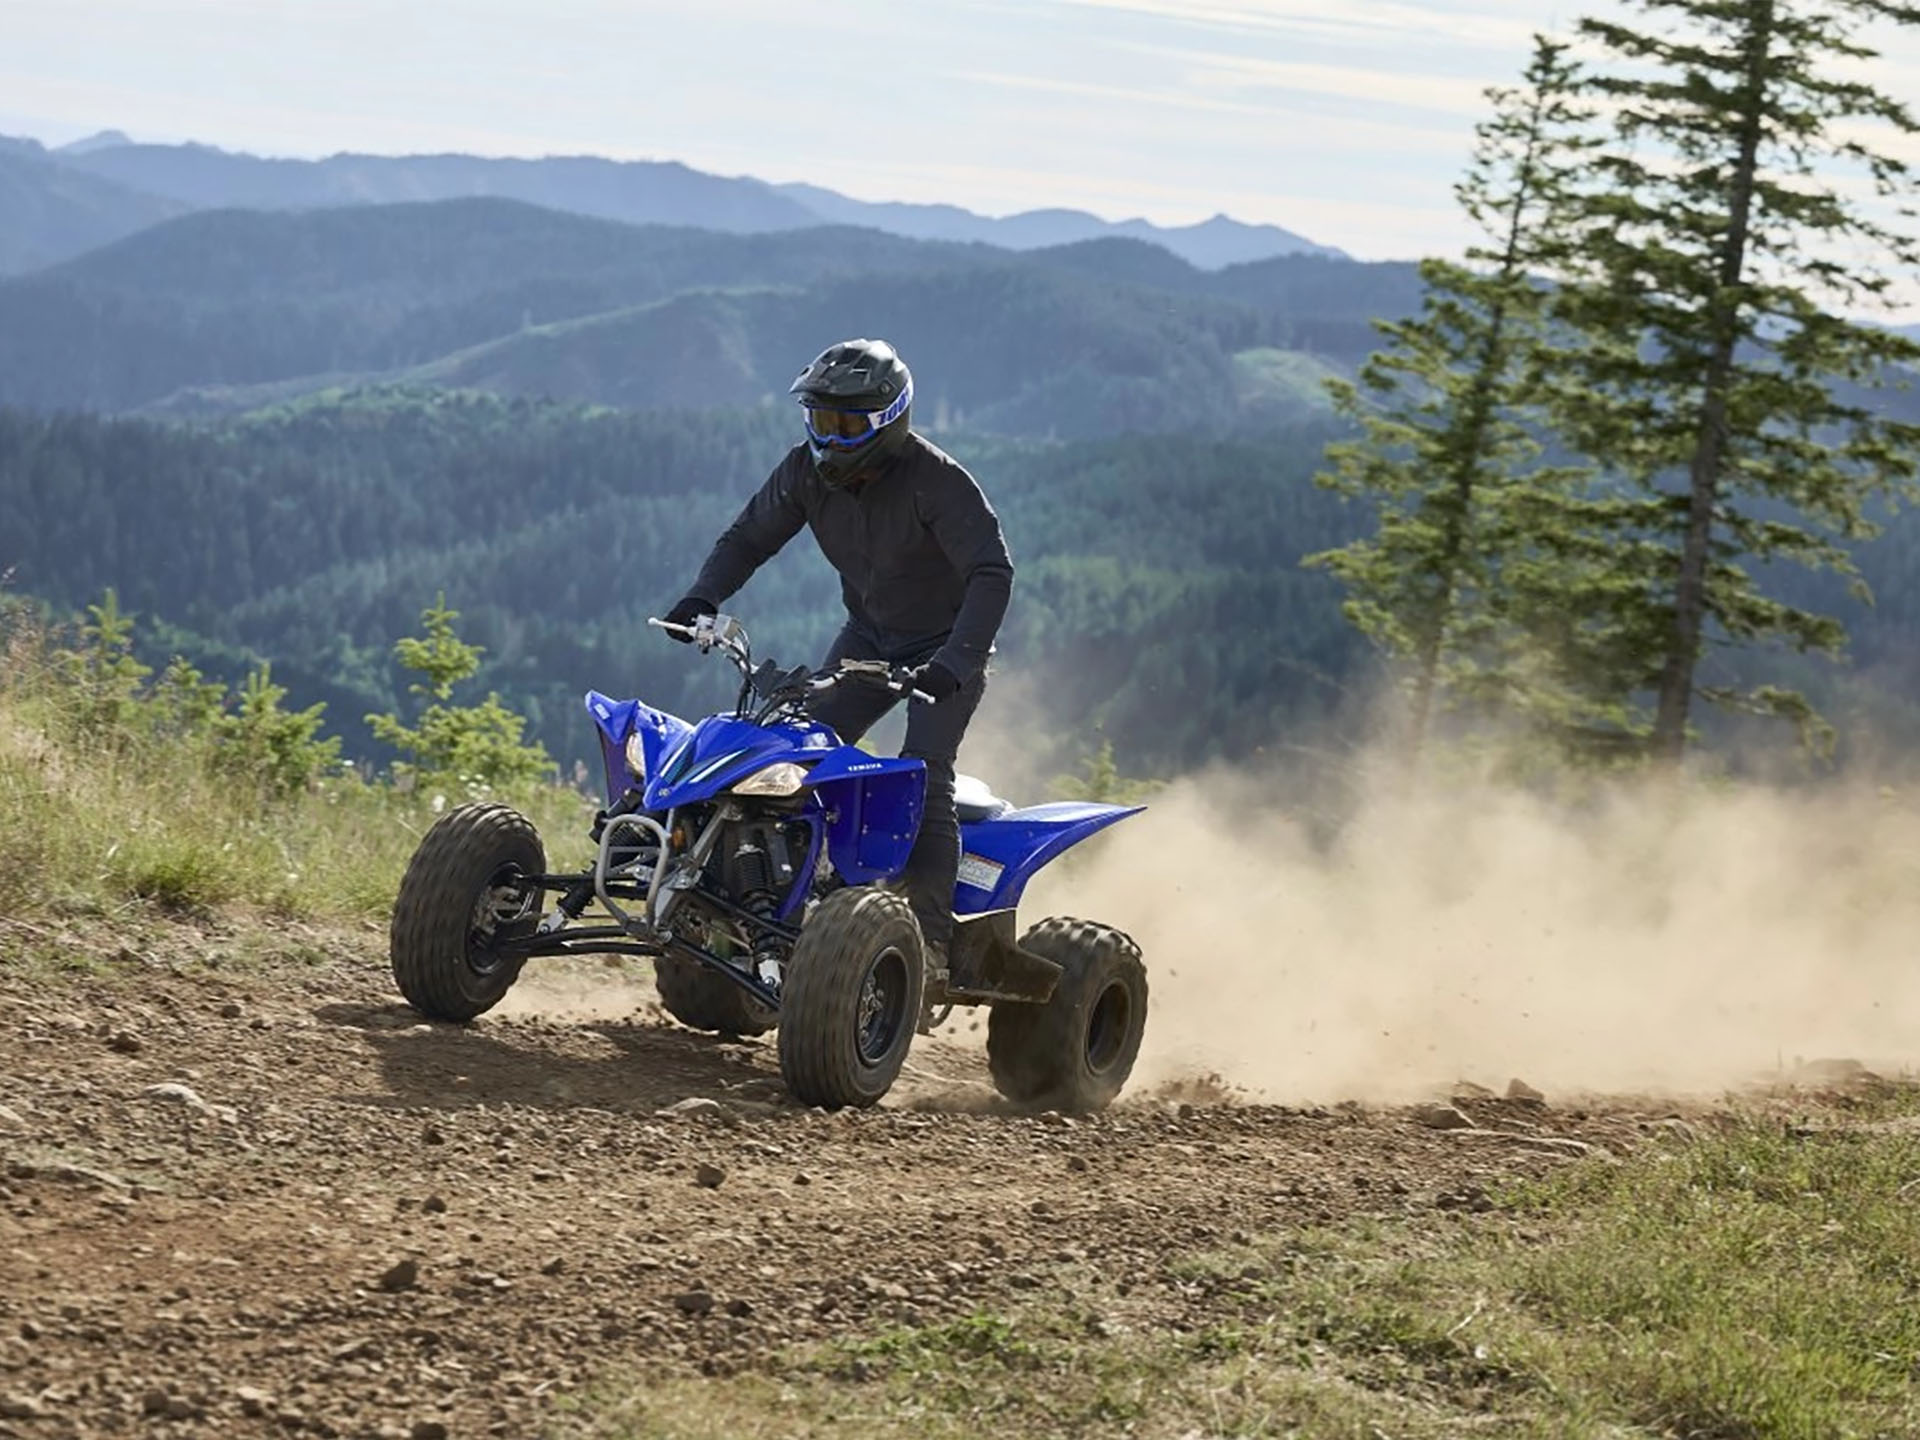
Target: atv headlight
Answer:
pixel 636 756
pixel 782 779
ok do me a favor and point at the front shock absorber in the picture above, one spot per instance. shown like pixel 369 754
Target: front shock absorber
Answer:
pixel 758 869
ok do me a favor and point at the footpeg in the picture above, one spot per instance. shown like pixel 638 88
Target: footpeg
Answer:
pixel 988 963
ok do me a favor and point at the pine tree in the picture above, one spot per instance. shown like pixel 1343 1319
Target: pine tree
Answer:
pixel 1446 451
pixel 106 676
pixel 477 744
pixel 1705 265
pixel 277 750
pixel 1101 783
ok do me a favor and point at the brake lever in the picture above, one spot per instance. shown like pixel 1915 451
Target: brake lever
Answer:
pixel 906 687
pixel 900 680
pixel 703 632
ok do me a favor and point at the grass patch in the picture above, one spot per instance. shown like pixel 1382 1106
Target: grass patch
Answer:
pixel 1760 1284
pixel 105 805
pixel 1757 1284
pixel 1025 1376
pixel 82 830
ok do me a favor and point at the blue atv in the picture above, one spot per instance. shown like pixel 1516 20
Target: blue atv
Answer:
pixel 752 858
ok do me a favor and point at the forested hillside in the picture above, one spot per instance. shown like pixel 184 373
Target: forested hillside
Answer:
pixel 549 417
pixel 244 297
pixel 313 528
pixel 1160 599
pixel 224 311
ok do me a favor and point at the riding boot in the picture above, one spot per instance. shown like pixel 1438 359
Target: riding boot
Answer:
pixel 933 868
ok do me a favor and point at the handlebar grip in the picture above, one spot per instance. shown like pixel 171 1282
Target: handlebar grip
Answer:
pixel 897 679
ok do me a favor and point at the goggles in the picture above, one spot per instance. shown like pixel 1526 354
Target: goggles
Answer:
pixel 850 429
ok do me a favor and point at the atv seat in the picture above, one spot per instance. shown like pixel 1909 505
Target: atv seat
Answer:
pixel 973 801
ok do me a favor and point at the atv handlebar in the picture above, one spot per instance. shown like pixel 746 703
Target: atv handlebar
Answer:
pixel 724 633
pixel 897 678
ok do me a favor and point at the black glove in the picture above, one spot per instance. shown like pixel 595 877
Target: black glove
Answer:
pixel 936 682
pixel 685 613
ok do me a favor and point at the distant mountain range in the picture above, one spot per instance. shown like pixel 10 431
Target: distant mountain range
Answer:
pixel 49 213
pixel 57 203
pixel 1211 245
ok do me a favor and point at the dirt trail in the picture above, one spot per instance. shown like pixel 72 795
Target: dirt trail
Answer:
pixel 338 1221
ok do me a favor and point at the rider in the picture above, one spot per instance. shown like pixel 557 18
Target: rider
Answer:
pixel 924 573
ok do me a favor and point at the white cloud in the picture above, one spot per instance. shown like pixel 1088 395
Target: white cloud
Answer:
pixel 1345 134
pixel 1500 24
pixel 1400 89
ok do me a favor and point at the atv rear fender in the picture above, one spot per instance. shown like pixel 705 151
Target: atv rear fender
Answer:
pixel 1001 855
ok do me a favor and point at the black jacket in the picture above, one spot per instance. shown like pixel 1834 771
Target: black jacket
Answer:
pixel 923 566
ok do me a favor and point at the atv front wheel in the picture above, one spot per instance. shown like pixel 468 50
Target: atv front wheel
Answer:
pixel 697 997
pixel 1074 1053
pixel 851 998
pixel 469 887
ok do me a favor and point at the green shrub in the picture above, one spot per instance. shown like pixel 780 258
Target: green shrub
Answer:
pixel 276 750
pixel 480 744
pixel 103 677
pixel 186 705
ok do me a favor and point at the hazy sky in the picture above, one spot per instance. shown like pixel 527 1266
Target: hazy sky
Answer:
pixel 1346 120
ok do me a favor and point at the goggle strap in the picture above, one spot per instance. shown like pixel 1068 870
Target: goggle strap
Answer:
pixel 898 408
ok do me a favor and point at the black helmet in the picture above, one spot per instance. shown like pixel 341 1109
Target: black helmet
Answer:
pixel 859 402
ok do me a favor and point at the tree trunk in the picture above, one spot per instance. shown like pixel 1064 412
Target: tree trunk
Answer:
pixel 1669 739
pixel 1493 360
pixel 1433 643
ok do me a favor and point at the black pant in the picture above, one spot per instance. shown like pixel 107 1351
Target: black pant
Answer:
pixel 934 733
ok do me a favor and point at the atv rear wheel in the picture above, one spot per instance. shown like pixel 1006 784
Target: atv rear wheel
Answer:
pixel 1074 1053
pixel 697 997
pixel 851 998
pixel 466 890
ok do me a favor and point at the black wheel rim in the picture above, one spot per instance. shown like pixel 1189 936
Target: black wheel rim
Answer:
pixel 883 1006
pixel 502 903
pixel 1107 1027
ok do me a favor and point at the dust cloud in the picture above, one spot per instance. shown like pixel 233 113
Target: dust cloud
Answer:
pixel 1318 940
pixel 1637 941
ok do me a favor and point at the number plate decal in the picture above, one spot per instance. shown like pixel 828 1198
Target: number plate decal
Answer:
pixel 979 873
